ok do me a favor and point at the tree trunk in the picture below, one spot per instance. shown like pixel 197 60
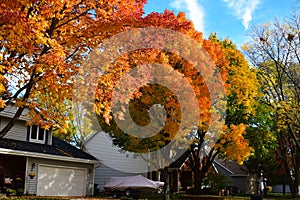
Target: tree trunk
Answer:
pixel 197 181
pixel 290 163
pixel 295 182
pixel 200 173
pixel 166 179
pixel 17 115
pixel 294 189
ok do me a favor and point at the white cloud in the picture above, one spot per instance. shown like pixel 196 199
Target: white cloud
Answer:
pixel 194 11
pixel 243 9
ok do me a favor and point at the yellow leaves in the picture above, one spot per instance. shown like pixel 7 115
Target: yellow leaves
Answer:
pixel 39 70
pixel 246 47
pixel 2 104
pixel 63 131
pixel 242 80
pixel 48 41
pixel 54 39
pixel 115 71
pixel 286 111
pixel 234 145
pixel 2 88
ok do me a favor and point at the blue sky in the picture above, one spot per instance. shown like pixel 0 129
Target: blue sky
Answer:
pixel 228 18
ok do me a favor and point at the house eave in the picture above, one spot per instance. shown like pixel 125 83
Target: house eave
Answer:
pixel 47 156
pixel 91 136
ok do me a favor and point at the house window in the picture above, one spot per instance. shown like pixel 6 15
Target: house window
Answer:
pixel 37 134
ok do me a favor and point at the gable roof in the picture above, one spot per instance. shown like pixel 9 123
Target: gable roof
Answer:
pixel 10 110
pixel 232 167
pixel 177 164
pixel 59 149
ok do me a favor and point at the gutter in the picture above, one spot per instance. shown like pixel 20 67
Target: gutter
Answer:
pixel 239 175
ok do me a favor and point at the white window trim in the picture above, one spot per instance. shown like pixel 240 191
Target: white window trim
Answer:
pixel 37 135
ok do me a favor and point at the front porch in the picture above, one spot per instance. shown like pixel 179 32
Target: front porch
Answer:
pixel 12 174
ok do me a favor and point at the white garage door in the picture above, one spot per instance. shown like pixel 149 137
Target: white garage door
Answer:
pixel 58 181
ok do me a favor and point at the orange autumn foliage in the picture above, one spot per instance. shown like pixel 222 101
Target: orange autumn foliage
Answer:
pixel 149 95
pixel 45 43
pixel 42 45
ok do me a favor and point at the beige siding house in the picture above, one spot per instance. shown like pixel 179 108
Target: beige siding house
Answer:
pixel 37 163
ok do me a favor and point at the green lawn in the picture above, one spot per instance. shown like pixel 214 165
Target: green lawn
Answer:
pixel 206 197
pixel 271 196
pixel 172 197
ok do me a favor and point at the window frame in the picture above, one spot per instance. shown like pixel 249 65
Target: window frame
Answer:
pixel 37 140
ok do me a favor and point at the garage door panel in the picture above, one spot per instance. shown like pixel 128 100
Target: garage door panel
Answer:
pixel 55 181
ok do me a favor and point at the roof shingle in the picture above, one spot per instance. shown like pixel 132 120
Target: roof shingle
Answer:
pixel 58 148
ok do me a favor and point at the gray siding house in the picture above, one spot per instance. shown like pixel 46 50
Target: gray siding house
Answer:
pixel 113 162
pixel 41 164
pixel 237 176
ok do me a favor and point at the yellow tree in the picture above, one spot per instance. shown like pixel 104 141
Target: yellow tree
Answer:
pixel 78 127
pixel 241 101
pixel 274 51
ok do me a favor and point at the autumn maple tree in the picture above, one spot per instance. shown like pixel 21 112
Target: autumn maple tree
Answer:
pixel 42 45
pixel 45 44
pixel 239 83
